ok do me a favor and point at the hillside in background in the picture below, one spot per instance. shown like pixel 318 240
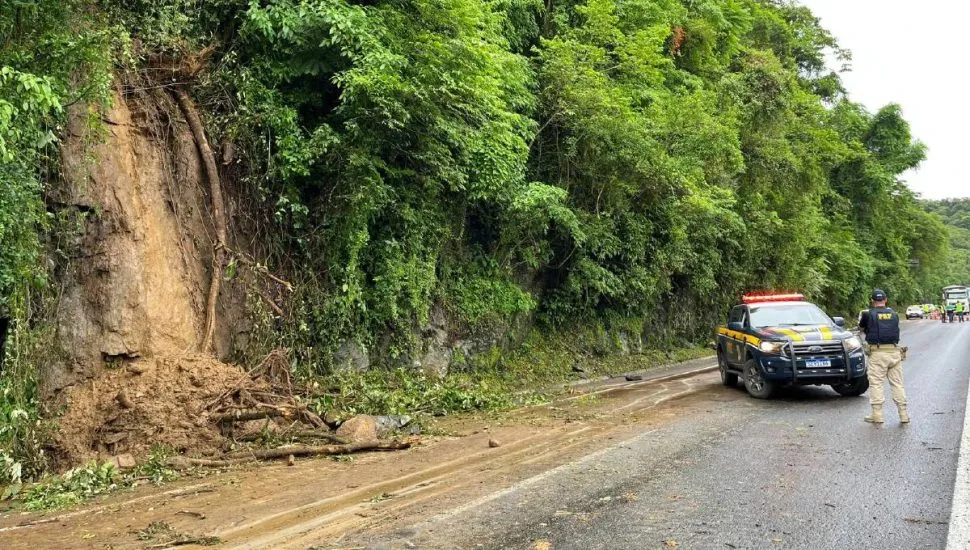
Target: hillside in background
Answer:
pixel 955 213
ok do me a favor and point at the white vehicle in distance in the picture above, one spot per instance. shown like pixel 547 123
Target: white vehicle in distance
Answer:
pixel 914 312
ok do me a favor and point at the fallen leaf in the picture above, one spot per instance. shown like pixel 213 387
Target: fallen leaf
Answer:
pixel 670 544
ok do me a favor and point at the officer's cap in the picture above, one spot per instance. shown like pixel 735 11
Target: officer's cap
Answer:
pixel 878 295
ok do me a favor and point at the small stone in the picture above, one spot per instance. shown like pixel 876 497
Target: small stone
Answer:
pixel 290 460
pixel 634 377
pixel 331 419
pixel 137 369
pixel 494 443
pixel 359 429
pixel 123 461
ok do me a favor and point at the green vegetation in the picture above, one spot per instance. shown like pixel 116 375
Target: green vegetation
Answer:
pixel 89 481
pixel 568 165
pixel 956 215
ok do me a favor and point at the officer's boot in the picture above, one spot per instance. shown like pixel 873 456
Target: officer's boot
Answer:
pixel 875 417
pixel 903 413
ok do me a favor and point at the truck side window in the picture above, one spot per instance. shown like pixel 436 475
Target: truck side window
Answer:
pixel 736 315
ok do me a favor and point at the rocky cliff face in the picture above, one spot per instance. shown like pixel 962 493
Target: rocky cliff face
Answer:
pixel 137 286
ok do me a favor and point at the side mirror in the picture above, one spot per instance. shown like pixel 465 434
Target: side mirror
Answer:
pixel 735 326
pixel 839 321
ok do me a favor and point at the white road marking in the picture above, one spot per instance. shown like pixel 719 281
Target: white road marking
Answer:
pixel 959 535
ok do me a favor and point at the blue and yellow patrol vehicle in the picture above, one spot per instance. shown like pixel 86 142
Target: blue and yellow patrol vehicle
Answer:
pixel 776 340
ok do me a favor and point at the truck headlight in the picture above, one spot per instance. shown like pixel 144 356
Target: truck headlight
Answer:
pixel 772 347
pixel 852 343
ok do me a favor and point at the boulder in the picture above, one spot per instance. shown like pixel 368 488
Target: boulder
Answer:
pixel 389 424
pixel 351 355
pixel 359 429
pixel 436 361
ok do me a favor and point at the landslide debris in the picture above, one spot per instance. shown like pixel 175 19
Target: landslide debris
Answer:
pixel 200 407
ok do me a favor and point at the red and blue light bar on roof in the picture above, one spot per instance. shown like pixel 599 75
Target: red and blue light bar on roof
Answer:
pixel 762 298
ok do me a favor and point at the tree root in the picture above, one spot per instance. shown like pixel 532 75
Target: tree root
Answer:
pixel 191 113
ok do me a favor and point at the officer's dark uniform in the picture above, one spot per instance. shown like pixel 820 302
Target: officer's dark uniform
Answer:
pixel 881 325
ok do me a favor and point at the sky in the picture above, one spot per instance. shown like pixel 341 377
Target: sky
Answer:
pixel 913 54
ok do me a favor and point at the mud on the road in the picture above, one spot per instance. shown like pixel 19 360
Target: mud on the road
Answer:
pixel 320 502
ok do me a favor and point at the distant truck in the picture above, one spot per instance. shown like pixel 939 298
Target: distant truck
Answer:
pixel 954 294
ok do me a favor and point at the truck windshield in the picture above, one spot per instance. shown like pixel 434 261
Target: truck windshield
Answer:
pixel 788 314
pixel 956 295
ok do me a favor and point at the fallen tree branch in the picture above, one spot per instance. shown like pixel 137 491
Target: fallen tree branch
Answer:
pixel 303 434
pixel 295 450
pixel 242 415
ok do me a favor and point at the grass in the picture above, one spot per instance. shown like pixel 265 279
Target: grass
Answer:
pixel 92 480
pixel 492 382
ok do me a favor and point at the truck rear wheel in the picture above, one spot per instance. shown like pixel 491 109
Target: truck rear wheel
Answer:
pixel 728 378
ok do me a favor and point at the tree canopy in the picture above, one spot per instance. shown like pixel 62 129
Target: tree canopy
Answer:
pixel 593 161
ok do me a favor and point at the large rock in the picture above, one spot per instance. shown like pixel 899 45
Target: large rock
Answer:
pixel 359 429
pixel 436 361
pixel 387 425
pixel 351 355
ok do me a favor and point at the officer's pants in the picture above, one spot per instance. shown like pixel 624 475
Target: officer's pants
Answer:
pixel 886 363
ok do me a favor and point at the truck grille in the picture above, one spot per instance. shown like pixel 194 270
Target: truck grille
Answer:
pixel 814 349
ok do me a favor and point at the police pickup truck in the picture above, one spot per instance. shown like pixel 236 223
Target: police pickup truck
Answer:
pixel 771 341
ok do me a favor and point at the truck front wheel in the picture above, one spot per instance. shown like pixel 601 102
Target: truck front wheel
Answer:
pixel 755 383
pixel 852 389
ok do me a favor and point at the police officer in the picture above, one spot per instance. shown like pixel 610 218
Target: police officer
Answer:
pixel 960 310
pixel 881 325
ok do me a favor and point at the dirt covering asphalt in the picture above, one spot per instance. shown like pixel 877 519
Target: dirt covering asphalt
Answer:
pixel 318 502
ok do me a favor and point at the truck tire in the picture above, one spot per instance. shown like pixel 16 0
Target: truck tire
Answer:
pixel 728 378
pixel 755 383
pixel 855 388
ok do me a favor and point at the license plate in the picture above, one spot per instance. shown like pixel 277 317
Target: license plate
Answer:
pixel 818 364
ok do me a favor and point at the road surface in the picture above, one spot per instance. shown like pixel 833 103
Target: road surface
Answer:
pixel 801 471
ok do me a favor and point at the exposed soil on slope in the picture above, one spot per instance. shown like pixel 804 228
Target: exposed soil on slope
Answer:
pixel 133 285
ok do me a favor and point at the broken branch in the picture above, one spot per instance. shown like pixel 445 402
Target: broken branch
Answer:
pixel 295 450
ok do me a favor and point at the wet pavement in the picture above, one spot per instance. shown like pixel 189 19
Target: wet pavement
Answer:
pixel 799 471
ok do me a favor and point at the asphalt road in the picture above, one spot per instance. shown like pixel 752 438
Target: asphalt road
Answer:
pixel 802 471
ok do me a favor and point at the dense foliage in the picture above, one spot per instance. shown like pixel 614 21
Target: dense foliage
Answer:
pixel 53 54
pixel 597 162
pixel 956 215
